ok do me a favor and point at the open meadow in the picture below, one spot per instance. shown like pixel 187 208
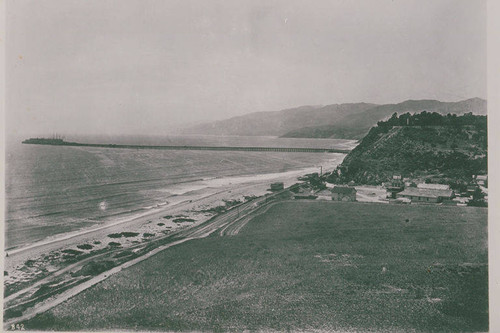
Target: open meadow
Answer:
pixel 304 266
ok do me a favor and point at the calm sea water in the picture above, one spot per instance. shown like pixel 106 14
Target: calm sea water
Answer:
pixel 52 190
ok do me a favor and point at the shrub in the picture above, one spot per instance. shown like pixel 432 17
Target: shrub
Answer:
pixel 72 252
pixel 129 234
pixel 182 219
pixel 29 263
pixel 84 246
pixel 94 268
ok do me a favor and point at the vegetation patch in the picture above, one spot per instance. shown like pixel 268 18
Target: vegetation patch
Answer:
pixel 85 247
pixel 232 203
pixel 331 266
pixel 13 313
pixel 147 234
pixel 69 258
pixel 216 210
pixel 123 234
pixel 123 254
pixel 44 291
pixel 72 252
pixel 114 244
pixel 94 268
pixel 128 234
pixel 183 219
pixel 419 145
pixel 30 262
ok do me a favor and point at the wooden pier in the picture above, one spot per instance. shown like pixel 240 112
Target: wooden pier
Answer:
pixel 216 148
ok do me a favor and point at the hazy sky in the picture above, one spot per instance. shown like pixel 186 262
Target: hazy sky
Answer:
pixel 132 67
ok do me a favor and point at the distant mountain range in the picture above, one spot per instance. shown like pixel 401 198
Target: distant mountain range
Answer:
pixel 339 121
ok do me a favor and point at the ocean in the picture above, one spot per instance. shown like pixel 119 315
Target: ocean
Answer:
pixel 52 190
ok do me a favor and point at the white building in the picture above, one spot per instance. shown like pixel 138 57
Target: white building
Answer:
pixel 434 186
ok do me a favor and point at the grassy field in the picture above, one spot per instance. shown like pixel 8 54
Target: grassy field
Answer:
pixel 305 265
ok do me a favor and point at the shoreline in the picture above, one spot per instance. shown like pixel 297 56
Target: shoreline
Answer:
pixel 68 281
pixel 175 193
pixel 28 264
pixel 184 191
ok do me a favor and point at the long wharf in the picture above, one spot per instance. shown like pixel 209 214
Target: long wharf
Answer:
pixel 52 142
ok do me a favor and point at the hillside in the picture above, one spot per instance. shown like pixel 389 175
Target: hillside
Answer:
pixel 451 148
pixel 277 123
pixel 339 121
pixel 357 125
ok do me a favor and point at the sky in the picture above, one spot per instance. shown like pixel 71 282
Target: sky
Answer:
pixel 151 66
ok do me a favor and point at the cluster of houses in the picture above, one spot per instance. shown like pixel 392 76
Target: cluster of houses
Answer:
pixel 423 193
pixel 337 193
pixel 408 192
pixel 399 190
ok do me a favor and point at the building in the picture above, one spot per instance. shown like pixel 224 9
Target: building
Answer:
pixel 434 186
pixel 304 196
pixel 304 193
pixel 472 188
pixel 277 186
pixel 329 185
pixel 402 201
pixel 343 193
pixel 324 194
pixel 481 179
pixel 425 195
pixel 395 186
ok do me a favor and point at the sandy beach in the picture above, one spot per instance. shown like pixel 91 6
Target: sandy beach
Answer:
pixel 196 203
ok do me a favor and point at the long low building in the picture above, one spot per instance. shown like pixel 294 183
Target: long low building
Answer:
pixel 426 195
pixel 344 193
